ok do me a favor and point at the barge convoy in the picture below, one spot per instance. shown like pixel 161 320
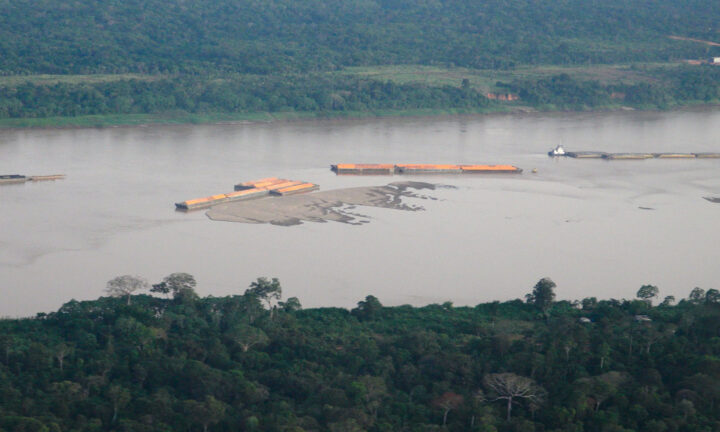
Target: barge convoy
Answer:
pixel 272 186
pixel 390 169
pixel 17 178
pixel 560 151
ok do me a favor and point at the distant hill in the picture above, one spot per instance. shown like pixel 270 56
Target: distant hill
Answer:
pixel 279 36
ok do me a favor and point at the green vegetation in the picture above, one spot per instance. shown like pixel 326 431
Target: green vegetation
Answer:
pixel 133 362
pixel 178 61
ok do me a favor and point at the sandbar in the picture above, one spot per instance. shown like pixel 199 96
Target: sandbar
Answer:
pixel 338 205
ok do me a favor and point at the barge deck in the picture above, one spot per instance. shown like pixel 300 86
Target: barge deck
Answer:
pixel 250 190
pixel 632 156
pixel 412 169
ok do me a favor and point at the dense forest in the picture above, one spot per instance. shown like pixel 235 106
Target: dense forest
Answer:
pixel 169 360
pixel 244 56
pixel 280 36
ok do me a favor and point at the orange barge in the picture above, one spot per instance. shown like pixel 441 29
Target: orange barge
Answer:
pixel 427 169
pixel 360 169
pixel 377 169
pixel 295 189
pixel 480 169
pixel 259 183
pixel 251 190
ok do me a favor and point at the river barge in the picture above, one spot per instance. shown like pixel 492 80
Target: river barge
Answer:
pixel 12 179
pixel 559 152
pixel 296 189
pixel 200 203
pixel 17 178
pixel 489 169
pixel 51 177
pixel 412 169
pixel 628 156
pixel 363 169
pixel 427 169
pixel 257 183
pixel 586 155
pixel 674 155
pixel 282 185
pixel 250 190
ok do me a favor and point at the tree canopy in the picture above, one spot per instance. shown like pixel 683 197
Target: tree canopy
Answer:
pixel 223 363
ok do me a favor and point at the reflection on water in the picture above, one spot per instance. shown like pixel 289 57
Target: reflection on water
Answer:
pixel 582 222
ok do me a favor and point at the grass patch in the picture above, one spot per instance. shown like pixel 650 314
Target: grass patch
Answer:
pixel 14 80
pixel 486 80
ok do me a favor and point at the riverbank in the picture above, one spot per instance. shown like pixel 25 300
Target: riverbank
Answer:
pixel 184 118
pixel 122 120
pixel 81 101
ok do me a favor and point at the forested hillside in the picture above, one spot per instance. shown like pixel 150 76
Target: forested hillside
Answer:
pixel 257 362
pixel 277 36
pixel 289 49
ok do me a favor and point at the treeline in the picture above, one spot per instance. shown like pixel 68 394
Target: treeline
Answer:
pixel 318 93
pixel 672 86
pixel 255 362
pixel 284 36
pixel 241 94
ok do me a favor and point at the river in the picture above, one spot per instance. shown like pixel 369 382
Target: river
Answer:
pixel 597 228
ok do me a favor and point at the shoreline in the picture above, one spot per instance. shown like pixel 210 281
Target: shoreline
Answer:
pixel 180 119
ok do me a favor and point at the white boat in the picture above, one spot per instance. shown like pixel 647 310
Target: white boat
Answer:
pixel 557 151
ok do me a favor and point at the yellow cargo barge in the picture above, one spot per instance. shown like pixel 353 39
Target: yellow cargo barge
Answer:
pixel 363 169
pixel 200 203
pixel 489 169
pixel 296 189
pixel 257 184
pixel 250 190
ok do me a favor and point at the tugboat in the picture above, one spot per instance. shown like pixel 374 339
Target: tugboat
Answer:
pixel 557 151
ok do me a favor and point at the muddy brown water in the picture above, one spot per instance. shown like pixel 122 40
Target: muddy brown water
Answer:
pixel 584 223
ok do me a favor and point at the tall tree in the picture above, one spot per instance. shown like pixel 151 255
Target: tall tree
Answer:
pixel 509 386
pixel 119 397
pixel 543 294
pixel 266 290
pixel 177 284
pixel 368 308
pixel 697 295
pixel 712 296
pixel 247 336
pixel 208 412
pixel 448 401
pixel 647 293
pixel 125 286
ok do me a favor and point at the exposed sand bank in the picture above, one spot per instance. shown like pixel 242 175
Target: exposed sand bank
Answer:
pixel 339 205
